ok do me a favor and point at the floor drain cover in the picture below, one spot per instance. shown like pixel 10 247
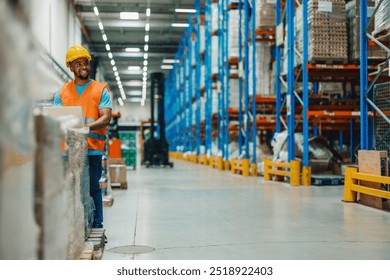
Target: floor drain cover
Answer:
pixel 132 249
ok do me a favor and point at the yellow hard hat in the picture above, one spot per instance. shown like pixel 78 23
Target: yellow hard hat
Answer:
pixel 76 52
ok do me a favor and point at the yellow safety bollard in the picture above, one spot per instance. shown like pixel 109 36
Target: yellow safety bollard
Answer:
pixel 219 163
pixel 234 162
pixel 254 169
pixel 306 176
pixel 212 164
pixel 267 169
pixel 349 195
pixel 295 168
pixel 226 165
pixel 245 167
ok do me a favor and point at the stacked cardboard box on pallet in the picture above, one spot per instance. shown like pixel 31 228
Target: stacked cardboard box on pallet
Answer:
pixel 117 168
pixel 330 19
pixel 382 17
pixel 375 163
pixel 353 15
pixel 328 41
pixel 263 69
pixel 265 14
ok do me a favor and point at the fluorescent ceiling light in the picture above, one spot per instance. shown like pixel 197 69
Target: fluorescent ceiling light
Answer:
pixel 120 101
pixel 114 68
pixel 145 55
pixel 146 38
pixel 147 27
pixel 134 68
pixel 135 99
pixel 132 49
pixel 108 47
pixel 185 10
pixel 145 62
pixel 171 61
pixel 166 66
pixel 145 74
pixel 116 73
pixel 117 78
pixel 110 55
pixel 120 86
pixel 112 62
pixel 95 9
pixel 143 102
pixel 134 83
pixel 145 68
pixel 100 25
pixel 180 24
pixel 146 47
pixel 134 92
pixel 129 15
pixel 148 12
pixel 104 36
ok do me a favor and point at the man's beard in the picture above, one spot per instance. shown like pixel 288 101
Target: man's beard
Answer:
pixel 83 76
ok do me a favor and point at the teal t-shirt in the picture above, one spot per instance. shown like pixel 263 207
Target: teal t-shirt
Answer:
pixel 105 102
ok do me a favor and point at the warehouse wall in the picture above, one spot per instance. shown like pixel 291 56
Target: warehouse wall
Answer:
pixel 132 112
pixel 49 21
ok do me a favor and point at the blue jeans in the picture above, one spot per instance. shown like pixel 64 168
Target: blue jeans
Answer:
pixel 95 172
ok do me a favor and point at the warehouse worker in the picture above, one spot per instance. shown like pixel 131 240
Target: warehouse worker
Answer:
pixel 95 99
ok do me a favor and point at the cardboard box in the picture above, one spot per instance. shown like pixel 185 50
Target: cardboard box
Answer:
pixel 117 161
pixel 71 115
pixel 373 162
pixel 117 173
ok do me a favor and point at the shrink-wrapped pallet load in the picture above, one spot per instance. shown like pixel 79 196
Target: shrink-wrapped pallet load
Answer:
pixel 327 32
pixel 353 15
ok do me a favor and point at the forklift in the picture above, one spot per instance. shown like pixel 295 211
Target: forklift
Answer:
pixel 155 149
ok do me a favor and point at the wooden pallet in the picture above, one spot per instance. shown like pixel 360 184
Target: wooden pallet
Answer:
pixel 328 61
pixel 382 34
pixel 94 245
pixel 122 185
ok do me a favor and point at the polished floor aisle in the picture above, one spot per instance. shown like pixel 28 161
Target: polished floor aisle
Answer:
pixel 192 212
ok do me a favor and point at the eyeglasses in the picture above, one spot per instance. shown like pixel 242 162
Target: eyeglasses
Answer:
pixel 81 64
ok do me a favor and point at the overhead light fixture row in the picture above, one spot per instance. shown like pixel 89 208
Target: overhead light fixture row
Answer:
pixel 95 9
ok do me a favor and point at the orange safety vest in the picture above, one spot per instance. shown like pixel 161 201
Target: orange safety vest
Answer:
pixel 89 100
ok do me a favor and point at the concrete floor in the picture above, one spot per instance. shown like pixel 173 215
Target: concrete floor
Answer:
pixel 193 212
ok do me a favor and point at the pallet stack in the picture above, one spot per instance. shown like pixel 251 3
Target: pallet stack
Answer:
pixel 265 14
pixel 382 17
pixel 328 42
pixel 353 21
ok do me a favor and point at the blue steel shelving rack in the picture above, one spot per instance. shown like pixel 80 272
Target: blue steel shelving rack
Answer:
pixel 197 25
pixel 182 91
pixel 367 141
pixel 208 79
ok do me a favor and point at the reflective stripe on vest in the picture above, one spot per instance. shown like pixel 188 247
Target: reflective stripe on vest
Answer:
pixel 89 100
pixel 96 136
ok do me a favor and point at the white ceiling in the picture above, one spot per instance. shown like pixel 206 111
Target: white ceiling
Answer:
pixel 121 34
